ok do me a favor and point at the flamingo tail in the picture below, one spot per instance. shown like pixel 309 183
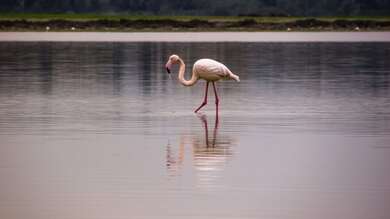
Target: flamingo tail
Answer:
pixel 235 77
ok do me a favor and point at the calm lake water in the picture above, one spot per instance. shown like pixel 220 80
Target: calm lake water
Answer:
pixel 99 130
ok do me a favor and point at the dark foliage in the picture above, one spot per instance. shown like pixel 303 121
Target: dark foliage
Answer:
pixel 205 7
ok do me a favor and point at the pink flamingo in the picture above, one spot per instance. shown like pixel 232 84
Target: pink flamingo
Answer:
pixel 206 69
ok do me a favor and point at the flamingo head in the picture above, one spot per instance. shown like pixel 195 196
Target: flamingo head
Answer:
pixel 173 59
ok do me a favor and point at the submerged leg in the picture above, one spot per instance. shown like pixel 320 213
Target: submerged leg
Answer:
pixel 206 129
pixel 216 101
pixel 205 98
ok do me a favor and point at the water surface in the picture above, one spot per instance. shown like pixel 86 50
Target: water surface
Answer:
pixel 99 130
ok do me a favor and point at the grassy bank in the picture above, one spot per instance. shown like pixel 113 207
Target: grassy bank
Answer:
pixel 87 16
pixel 104 22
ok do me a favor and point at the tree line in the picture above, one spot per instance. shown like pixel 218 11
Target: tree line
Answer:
pixel 204 7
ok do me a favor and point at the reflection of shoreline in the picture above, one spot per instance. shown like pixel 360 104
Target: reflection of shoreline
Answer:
pixel 209 154
pixel 196 37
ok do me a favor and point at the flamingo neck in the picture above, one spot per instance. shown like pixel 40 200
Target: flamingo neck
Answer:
pixel 182 68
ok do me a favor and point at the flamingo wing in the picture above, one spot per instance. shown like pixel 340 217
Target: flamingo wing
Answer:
pixel 211 70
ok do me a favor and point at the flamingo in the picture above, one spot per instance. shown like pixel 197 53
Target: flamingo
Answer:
pixel 206 69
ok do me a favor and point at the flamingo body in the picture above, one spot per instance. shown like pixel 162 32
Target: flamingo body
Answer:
pixel 211 70
pixel 206 69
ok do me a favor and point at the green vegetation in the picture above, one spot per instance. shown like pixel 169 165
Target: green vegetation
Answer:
pixel 95 16
pixel 105 22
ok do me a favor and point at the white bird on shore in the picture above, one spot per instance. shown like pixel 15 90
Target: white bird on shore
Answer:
pixel 206 69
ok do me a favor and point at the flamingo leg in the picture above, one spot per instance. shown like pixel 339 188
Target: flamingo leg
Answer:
pixel 215 131
pixel 205 98
pixel 216 101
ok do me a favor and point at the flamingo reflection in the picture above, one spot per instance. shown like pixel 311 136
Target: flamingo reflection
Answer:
pixel 207 155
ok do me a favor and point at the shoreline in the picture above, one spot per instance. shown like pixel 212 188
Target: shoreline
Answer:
pixel 195 37
pixel 195 24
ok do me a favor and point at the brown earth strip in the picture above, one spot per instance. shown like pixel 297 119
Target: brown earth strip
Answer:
pixel 192 25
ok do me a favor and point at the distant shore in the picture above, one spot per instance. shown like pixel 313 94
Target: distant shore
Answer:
pixel 195 37
pixel 95 23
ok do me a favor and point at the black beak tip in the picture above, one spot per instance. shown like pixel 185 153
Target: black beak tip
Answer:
pixel 168 70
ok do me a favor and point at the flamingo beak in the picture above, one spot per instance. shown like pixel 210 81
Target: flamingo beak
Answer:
pixel 168 67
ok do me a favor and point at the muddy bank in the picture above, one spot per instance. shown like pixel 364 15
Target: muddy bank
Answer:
pixel 192 25
pixel 187 36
